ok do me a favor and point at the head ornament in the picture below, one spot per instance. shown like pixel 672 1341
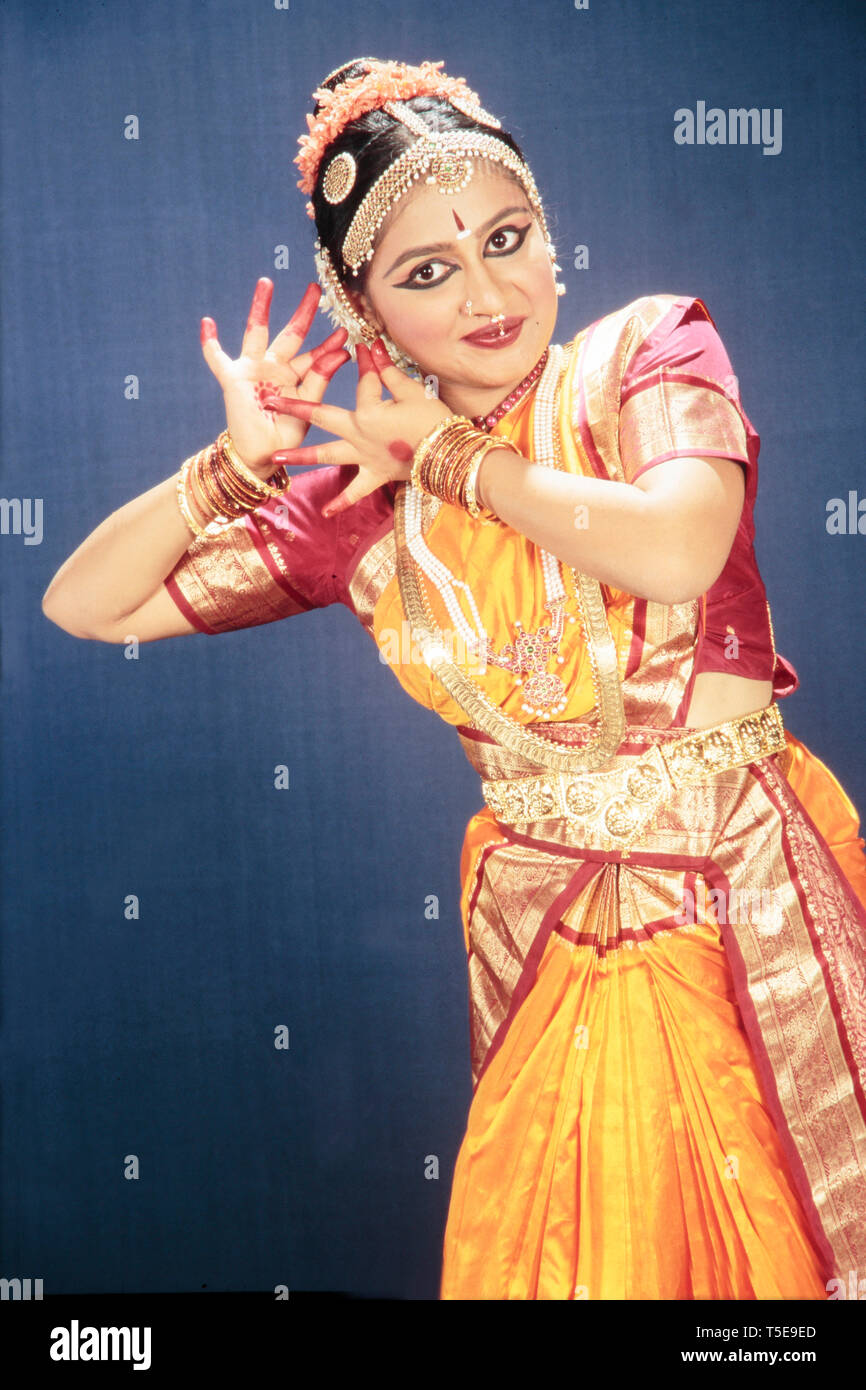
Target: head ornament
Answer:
pixel 442 159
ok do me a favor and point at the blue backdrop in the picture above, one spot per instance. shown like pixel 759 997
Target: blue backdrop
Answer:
pixel 153 777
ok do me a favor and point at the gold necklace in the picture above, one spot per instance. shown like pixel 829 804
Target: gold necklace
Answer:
pixel 483 713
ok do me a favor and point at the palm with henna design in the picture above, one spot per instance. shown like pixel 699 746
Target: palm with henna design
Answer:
pixel 380 436
pixel 262 371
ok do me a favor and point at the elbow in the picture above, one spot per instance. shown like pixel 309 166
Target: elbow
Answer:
pixel 673 584
pixel 684 573
pixel 64 620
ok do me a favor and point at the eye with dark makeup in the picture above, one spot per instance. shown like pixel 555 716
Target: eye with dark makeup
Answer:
pixel 413 283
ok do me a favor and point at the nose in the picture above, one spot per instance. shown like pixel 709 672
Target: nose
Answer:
pixel 483 288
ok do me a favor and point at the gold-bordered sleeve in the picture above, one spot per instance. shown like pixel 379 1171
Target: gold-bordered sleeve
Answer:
pixel 679 396
pixel 275 562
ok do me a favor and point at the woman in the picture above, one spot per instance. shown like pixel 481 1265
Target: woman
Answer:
pixel 665 926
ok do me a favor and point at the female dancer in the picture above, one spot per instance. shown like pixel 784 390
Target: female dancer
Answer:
pixel 663 897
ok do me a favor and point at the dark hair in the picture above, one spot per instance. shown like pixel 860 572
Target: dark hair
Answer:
pixel 375 140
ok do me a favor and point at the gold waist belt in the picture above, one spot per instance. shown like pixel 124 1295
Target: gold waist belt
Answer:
pixel 609 809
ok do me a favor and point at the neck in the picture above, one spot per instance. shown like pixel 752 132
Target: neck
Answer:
pixel 473 401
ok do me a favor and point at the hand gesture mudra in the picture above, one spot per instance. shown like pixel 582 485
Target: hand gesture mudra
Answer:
pixel 380 436
pixel 260 370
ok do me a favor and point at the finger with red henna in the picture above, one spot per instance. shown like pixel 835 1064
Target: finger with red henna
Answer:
pixel 286 343
pixel 325 417
pixel 301 410
pixel 329 363
pixel 400 386
pixel 217 360
pixel 305 360
pixel 261 305
pixel 365 361
pixel 336 451
pixel 314 383
pixel 256 336
pixel 331 343
pixel 380 354
pixel 369 390
pixel 306 310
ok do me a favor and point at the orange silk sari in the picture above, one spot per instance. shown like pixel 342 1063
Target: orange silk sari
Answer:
pixel 661 1111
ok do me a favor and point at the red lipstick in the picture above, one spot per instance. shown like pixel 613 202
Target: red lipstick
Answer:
pixel 497 335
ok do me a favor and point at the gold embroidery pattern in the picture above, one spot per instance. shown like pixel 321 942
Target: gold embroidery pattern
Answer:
pixel 676 415
pixel 227 582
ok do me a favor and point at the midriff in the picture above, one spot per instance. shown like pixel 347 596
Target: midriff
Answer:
pixel 717 697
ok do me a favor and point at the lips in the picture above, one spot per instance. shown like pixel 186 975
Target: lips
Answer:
pixel 486 336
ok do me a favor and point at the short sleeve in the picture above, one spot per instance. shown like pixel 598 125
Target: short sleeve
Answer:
pixel 275 562
pixel 679 396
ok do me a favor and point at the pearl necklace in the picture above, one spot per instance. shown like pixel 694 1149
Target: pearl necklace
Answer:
pixel 545 692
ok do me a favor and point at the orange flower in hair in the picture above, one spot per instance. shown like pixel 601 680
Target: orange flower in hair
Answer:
pixel 358 95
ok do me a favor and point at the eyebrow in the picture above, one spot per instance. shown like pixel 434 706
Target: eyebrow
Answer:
pixel 449 245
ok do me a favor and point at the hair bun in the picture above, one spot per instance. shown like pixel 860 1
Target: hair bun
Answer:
pixel 356 67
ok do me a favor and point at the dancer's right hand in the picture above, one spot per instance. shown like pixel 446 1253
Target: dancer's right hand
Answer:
pixel 263 369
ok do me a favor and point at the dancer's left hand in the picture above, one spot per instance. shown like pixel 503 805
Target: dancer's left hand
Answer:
pixel 380 436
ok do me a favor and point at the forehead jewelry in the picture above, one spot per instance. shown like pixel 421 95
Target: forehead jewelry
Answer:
pixel 443 160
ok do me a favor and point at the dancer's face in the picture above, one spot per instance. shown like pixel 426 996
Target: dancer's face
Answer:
pixel 437 251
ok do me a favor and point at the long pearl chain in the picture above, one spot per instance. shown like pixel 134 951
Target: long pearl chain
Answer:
pixel 545 690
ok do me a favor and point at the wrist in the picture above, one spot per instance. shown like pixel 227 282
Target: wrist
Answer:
pixel 482 478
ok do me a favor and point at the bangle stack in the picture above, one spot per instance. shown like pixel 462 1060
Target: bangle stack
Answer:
pixel 222 487
pixel 447 460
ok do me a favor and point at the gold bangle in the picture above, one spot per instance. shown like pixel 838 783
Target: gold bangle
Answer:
pixel 443 463
pixel 204 475
pixel 265 488
pixel 197 496
pixel 237 495
pixel 185 509
pixel 427 443
pixel 471 479
pixel 444 468
pixel 470 500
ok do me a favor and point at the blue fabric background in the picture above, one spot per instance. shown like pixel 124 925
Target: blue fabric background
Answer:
pixel 154 776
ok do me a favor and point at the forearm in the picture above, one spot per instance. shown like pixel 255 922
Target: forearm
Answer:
pixel 123 562
pixel 613 531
